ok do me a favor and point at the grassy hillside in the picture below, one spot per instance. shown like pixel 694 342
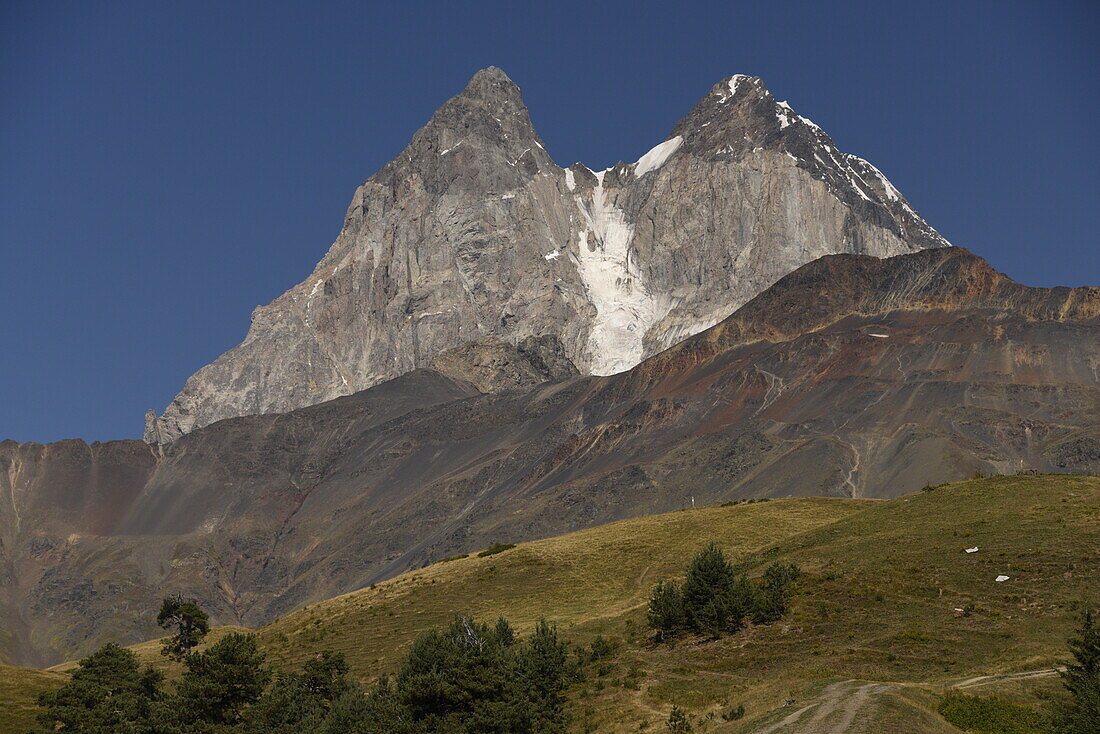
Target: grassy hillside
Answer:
pixel 584 581
pixel 19 687
pixel 872 638
pixel 879 602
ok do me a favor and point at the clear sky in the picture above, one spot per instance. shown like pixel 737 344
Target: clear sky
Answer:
pixel 165 167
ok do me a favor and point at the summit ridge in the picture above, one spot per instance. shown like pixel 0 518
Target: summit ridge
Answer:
pixel 474 232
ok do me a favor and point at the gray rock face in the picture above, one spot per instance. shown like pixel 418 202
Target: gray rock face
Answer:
pixel 490 365
pixel 474 233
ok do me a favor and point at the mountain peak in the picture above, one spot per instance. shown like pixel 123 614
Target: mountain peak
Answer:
pixel 739 118
pixel 730 87
pixel 490 74
pixel 492 83
pixel 481 139
pixel 473 232
pixel 737 115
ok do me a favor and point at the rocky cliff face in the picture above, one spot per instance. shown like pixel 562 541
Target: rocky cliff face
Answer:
pixel 474 233
pixel 852 376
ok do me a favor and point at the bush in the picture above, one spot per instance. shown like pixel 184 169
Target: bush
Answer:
pixel 678 720
pixel 734 714
pixel 601 648
pixel 496 548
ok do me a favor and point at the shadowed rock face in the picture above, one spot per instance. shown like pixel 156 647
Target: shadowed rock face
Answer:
pixel 491 365
pixel 850 376
pixel 474 233
pixel 56 499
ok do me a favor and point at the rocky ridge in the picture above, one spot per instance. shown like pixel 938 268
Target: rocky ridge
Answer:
pixel 473 232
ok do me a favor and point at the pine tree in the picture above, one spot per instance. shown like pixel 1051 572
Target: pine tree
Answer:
pixel 1081 678
pixel 544 666
pixel 666 608
pixel 506 636
pixel 190 622
pixel 678 720
pixel 108 693
pixel 221 681
pixel 771 600
pixel 300 702
pixel 716 599
pixel 379 711
pixel 463 678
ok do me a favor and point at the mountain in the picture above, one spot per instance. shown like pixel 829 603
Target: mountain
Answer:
pixel 473 232
pixel 853 376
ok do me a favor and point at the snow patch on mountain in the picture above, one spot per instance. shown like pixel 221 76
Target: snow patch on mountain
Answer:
pixel 625 310
pixel 783 114
pixel 657 156
pixel 731 85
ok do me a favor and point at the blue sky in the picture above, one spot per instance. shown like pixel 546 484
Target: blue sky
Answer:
pixel 165 167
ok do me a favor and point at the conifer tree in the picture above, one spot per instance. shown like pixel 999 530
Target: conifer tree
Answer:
pixel 771 599
pixel 716 599
pixel 108 692
pixel 666 608
pixel 188 620
pixel 1081 714
pixel 221 681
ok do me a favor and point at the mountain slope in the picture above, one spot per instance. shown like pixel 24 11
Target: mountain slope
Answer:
pixel 853 377
pixel 473 232
pixel 873 636
pixel 878 605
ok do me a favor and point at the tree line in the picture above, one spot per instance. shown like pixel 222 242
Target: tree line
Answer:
pixel 466 677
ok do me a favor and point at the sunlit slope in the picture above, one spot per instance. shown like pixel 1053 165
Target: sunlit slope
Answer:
pixel 576 580
pixel 890 613
pixel 879 602
pixel 19 689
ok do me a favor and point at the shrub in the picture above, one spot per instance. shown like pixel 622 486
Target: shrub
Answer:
pixel 459 557
pixel 734 714
pixel 678 720
pixel 496 548
pixel 601 648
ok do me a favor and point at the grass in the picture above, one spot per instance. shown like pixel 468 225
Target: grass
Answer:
pixel 19 689
pixel 991 715
pixel 583 581
pixel 877 602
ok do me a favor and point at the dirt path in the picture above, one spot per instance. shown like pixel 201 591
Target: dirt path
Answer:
pixel 986 680
pixel 832 713
pixel 840 704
